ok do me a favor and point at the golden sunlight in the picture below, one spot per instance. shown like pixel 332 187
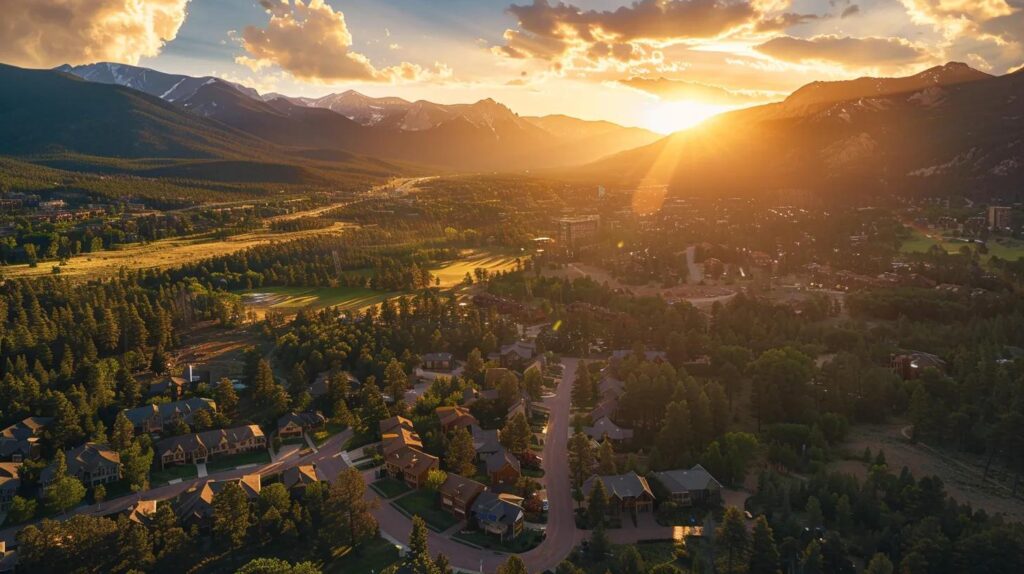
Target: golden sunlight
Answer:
pixel 668 117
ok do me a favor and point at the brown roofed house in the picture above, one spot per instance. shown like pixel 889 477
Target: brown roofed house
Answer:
pixel 388 425
pixel 10 482
pixel 200 447
pixel 398 438
pixel 411 465
pixel 627 493
pixel 458 494
pixel 455 417
pixel 91 463
pixel 195 505
pixel 292 425
pixel 297 478
pixel 503 468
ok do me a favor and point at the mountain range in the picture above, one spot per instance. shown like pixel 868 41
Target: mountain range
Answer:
pixel 481 135
pixel 947 129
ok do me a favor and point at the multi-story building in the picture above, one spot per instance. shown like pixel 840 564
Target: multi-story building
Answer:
pixel 999 217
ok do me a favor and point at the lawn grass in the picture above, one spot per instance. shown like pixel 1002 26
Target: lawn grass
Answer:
pixel 1002 247
pixel 453 272
pixel 236 460
pixel 423 503
pixel 361 438
pixel 390 488
pixel 292 299
pixel 373 556
pixel 184 472
pixel 527 540
pixel 331 429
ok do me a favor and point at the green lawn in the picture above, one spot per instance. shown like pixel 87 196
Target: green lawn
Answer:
pixel 522 543
pixel 453 272
pixel 291 299
pixel 423 503
pixel 331 429
pixel 390 488
pixel 161 477
pixel 237 460
pixel 361 438
pixel 1003 247
pixel 373 556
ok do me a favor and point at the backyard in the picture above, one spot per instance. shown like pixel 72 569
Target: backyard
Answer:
pixel 423 503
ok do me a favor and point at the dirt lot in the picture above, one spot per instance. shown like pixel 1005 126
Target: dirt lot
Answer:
pixel 211 348
pixel 962 477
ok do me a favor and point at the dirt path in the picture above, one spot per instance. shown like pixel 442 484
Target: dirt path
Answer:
pixel 963 481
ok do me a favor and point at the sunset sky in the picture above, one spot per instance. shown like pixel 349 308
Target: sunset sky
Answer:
pixel 660 64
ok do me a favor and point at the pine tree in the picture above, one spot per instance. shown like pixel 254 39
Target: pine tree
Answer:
pixel 606 466
pixel 732 542
pixel 517 434
pixel 231 516
pixel 597 504
pixel 581 458
pixel 514 565
pixel 461 454
pixel 764 555
pixel 674 440
pixel 226 397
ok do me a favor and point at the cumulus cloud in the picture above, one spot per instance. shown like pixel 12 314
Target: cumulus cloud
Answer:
pixel 667 89
pixel 47 33
pixel 989 33
pixel 311 41
pixel 845 51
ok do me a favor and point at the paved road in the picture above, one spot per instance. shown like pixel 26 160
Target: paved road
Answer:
pixel 330 452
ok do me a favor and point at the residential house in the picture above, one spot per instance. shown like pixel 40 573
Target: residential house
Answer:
pixel 294 425
pixel 297 478
pixel 20 441
pixel 319 386
pixel 611 387
pixel 522 406
pixel 649 356
pixel 410 465
pixel 174 387
pixel 604 427
pixel 498 514
pixel 10 482
pixel 154 418
pixel 910 365
pixel 689 487
pixel 485 442
pixel 142 512
pixel 388 425
pixel 91 463
pixel 459 493
pixel 195 505
pixel 516 355
pixel 503 468
pixel 455 417
pixel 605 409
pixel 443 362
pixel 398 438
pixel 8 559
pixel 627 493
pixel 200 447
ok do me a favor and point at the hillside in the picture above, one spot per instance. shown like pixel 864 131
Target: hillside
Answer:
pixel 55 119
pixel 946 133
pixel 480 135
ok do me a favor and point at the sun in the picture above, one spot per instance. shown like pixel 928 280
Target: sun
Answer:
pixel 668 117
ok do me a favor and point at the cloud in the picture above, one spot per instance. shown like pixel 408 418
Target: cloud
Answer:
pixel 311 41
pixel 667 89
pixel 557 31
pixel 47 33
pixel 851 10
pixel 848 52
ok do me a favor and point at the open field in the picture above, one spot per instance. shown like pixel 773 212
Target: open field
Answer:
pixel 962 477
pixel 452 273
pixel 160 254
pixel 293 299
pixel 921 240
